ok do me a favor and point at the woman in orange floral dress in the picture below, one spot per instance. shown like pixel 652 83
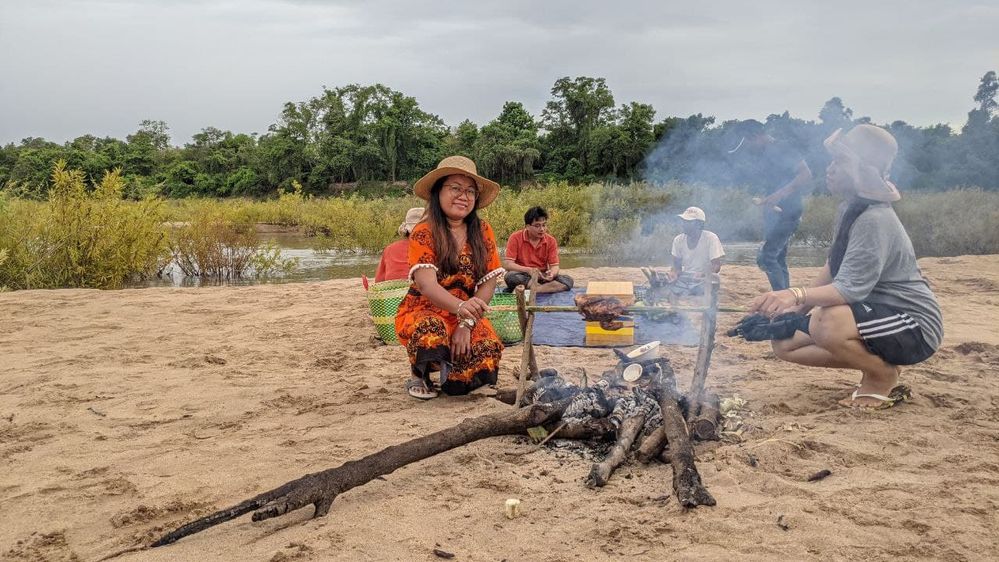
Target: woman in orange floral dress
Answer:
pixel 454 266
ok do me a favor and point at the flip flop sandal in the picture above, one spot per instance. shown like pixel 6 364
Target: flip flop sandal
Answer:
pixel 419 390
pixel 899 394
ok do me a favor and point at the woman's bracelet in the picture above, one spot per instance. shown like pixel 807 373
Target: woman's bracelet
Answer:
pixel 800 293
pixel 457 311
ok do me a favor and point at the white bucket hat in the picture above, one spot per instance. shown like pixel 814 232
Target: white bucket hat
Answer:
pixel 413 217
pixel 871 150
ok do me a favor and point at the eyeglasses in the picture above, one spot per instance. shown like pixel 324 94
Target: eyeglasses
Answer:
pixel 457 191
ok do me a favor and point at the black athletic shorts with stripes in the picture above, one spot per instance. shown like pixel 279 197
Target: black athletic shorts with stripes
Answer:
pixel 891 334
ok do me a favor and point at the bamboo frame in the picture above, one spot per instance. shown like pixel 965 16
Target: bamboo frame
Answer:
pixel 709 319
pixel 528 363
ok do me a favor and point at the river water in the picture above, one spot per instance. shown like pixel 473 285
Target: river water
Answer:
pixel 317 266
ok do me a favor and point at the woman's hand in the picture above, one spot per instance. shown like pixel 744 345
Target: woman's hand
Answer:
pixel 474 308
pixel 461 342
pixel 773 303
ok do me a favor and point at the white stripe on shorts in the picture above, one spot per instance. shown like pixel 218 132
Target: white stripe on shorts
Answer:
pixel 879 320
pixel 883 334
pixel 883 327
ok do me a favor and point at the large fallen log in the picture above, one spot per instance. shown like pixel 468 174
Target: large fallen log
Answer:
pixel 690 492
pixel 321 488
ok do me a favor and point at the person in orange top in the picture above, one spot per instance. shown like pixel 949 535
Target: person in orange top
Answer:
pixel 395 258
pixel 454 265
pixel 534 250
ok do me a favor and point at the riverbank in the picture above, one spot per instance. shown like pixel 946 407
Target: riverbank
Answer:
pixel 126 413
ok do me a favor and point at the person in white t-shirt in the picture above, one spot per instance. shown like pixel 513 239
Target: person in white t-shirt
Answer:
pixel 696 253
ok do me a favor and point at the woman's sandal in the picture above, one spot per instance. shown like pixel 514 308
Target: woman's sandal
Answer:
pixel 417 388
pixel 899 394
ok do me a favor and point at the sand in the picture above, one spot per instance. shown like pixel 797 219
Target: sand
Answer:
pixel 126 413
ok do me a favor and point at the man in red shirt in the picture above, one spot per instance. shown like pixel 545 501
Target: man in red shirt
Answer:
pixel 534 250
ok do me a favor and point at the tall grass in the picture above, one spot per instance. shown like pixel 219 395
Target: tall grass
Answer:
pixel 91 237
pixel 80 237
pixel 637 219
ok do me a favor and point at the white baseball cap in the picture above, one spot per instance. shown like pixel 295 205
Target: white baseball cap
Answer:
pixel 693 214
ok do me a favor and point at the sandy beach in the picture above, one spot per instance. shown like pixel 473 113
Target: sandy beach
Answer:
pixel 126 413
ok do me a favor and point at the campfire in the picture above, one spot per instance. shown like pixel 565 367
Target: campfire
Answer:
pixel 636 405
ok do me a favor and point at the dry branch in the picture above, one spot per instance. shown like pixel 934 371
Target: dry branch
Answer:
pixel 600 472
pixel 321 488
pixel 706 345
pixel 690 492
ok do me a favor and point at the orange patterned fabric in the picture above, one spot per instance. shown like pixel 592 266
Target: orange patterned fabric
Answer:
pixel 426 329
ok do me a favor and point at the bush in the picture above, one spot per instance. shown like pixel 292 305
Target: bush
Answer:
pixel 220 244
pixel 951 223
pixel 80 237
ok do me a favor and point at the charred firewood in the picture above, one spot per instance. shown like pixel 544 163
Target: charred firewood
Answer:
pixel 634 411
pixel 321 488
pixel 704 426
pixel 596 429
pixel 651 446
pixel 690 492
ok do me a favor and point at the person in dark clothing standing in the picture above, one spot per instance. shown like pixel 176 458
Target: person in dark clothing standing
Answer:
pixel 779 169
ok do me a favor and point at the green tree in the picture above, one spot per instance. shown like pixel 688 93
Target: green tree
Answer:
pixel 986 94
pixel 508 146
pixel 834 114
pixel 578 106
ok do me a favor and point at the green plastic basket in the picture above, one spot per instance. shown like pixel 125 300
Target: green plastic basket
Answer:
pixel 506 324
pixel 384 299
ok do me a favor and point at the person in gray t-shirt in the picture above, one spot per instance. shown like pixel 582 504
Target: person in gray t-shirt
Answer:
pixel 871 308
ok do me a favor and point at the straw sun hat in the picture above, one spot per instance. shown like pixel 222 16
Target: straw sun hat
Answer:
pixel 488 189
pixel 874 150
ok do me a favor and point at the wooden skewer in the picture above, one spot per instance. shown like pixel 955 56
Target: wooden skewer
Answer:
pixel 636 308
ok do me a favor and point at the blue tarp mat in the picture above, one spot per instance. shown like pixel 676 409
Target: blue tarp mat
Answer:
pixel 567 329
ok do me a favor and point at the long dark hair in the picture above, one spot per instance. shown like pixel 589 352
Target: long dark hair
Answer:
pixel 853 211
pixel 445 247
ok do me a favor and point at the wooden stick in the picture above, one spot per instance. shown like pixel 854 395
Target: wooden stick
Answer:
pixel 521 308
pixel 525 359
pixel 528 363
pixel 628 309
pixel 707 342
pixel 690 492
pixel 532 361
pixel 600 472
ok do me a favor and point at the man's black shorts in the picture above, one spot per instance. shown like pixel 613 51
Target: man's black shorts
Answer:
pixel 891 334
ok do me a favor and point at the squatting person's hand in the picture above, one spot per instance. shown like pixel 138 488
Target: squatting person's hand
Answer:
pixel 773 303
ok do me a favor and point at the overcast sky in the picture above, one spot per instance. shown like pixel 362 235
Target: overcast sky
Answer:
pixel 70 67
